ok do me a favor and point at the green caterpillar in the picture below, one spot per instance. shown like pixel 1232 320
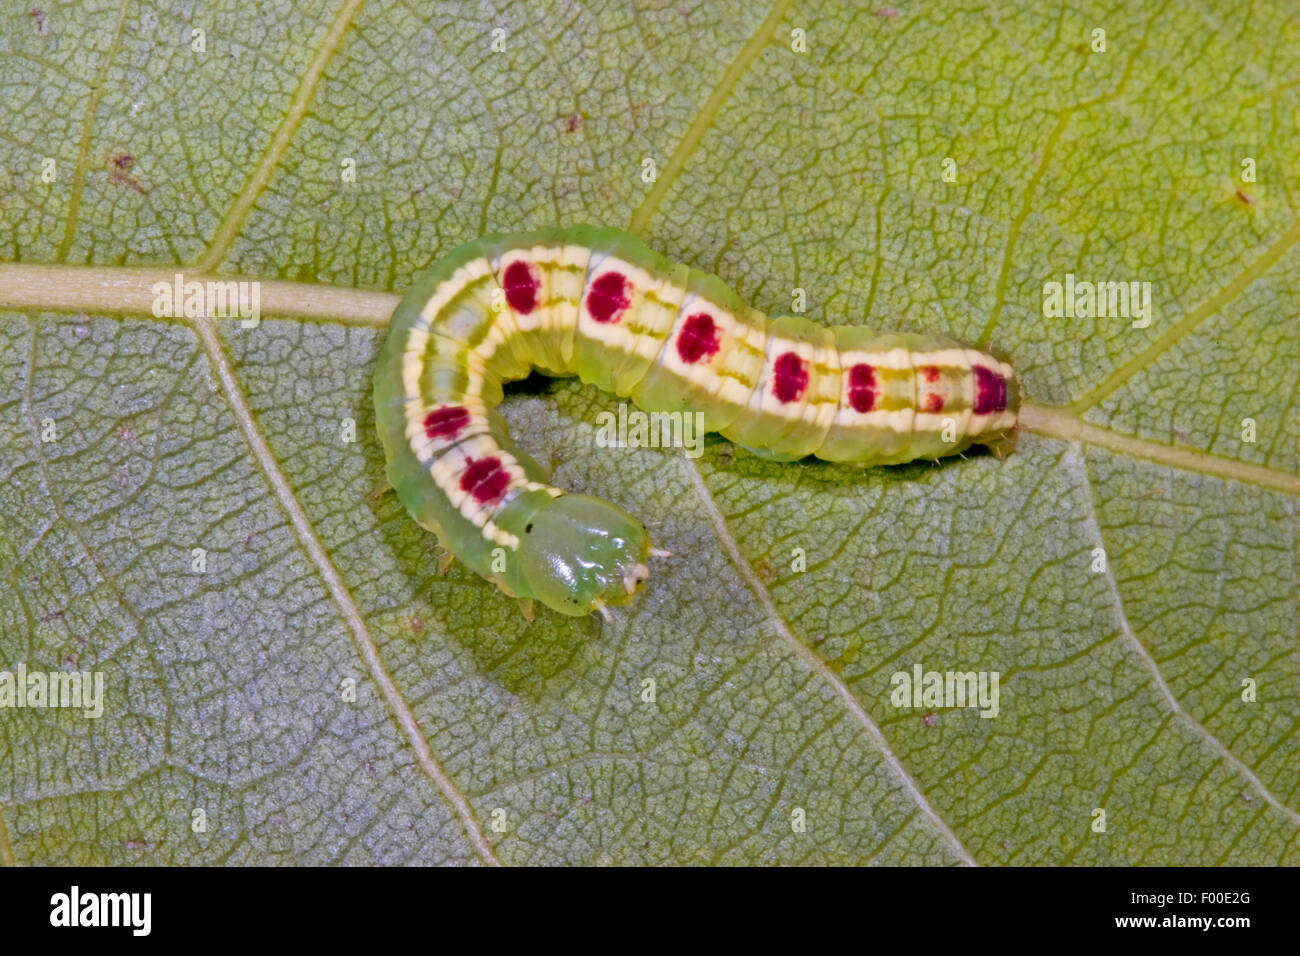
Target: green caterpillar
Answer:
pixel 599 303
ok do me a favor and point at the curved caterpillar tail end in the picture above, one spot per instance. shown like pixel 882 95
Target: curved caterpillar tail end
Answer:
pixel 1002 445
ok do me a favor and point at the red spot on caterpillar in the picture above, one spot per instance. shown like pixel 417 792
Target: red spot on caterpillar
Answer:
pixel 698 339
pixel 446 422
pixel 933 402
pixel 990 391
pixel 521 287
pixel 929 373
pixel 864 389
pixel 789 377
pixel 608 298
pixel 486 480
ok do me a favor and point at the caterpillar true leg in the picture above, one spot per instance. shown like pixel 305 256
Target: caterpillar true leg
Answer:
pixel 598 303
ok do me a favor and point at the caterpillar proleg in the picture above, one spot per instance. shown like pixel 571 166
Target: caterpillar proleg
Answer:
pixel 599 304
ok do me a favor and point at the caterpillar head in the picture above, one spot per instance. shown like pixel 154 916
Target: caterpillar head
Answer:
pixel 581 553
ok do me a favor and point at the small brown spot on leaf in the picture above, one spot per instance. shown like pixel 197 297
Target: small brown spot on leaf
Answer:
pixel 573 123
pixel 118 175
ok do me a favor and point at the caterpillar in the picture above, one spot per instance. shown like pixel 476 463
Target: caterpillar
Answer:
pixel 599 303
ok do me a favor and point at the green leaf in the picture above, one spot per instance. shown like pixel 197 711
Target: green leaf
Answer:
pixel 1158 686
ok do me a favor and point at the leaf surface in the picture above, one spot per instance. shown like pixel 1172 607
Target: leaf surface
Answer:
pixel 322 693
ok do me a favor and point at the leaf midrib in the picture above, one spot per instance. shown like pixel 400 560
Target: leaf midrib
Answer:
pixel 126 292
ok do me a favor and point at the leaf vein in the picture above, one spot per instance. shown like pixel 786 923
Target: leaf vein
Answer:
pixel 233 220
pixel 7 857
pixel 1189 322
pixel 818 666
pixel 707 114
pixel 1153 668
pixel 87 134
pixel 338 590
